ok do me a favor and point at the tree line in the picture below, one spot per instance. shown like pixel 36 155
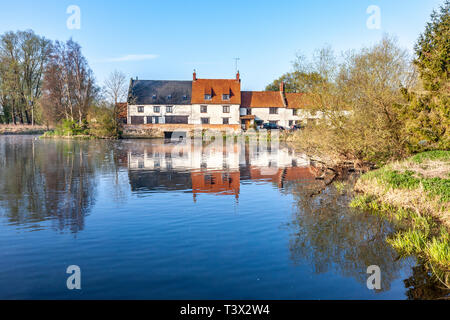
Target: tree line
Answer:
pixel 378 103
pixel 50 82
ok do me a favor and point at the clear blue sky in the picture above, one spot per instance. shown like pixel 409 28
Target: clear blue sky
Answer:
pixel 207 35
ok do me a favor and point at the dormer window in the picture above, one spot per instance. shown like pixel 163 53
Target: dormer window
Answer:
pixel 208 97
pixel 185 97
pixel 225 97
pixel 169 97
pixel 154 97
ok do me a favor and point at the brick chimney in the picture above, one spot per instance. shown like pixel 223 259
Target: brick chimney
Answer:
pixel 194 76
pixel 238 76
pixel 282 86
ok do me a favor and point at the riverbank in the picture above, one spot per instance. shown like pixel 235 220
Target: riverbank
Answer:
pixel 21 129
pixel 53 135
pixel 414 193
pixel 72 130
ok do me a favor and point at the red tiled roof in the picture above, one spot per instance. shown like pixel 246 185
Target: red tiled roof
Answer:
pixel 216 87
pixel 216 182
pixel 262 99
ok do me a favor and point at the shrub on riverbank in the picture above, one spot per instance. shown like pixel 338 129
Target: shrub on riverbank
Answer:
pixel 68 128
pixel 103 127
pixel 378 104
pixel 415 193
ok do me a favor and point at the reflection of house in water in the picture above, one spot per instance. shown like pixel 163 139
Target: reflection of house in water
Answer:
pixel 152 180
pixel 282 175
pixel 216 182
pixel 213 169
pixel 183 157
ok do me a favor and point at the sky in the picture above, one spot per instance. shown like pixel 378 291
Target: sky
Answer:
pixel 167 40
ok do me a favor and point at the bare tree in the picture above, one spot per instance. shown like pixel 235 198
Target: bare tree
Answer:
pixel 116 90
pixel 116 86
pixel 23 57
pixel 69 84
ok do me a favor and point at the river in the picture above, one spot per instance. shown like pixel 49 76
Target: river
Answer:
pixel 150 219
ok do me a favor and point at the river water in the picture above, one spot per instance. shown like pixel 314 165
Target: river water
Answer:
pixel 150 219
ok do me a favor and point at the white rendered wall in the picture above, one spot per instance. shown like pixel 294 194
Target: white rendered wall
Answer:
pixel 215 114
pixel 283 116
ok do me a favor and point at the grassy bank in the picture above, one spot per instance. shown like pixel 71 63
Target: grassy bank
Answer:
pixel 415 194
pixel 72 130
pixel 11 129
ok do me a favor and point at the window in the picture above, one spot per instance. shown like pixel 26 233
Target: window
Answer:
pixel 225 97
pixel 154 97
pixel 226 120
pixel 249 111
pixel 204 109
pixel 273 110
pixel 137 120
pixel 154 120
pixel 140 109
pixel 185 97
pixel 156 109
pixel 226 109
pixel 208 97
pixel 169 109
pixel 294 112
pixel 169 97
pixel 291 122
pixel 205 120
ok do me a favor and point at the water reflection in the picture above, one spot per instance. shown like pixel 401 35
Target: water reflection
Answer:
pixel 56 183
pixel 342 240
pixel 206 169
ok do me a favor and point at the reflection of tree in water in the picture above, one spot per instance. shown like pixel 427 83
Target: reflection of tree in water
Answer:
pixel 422 286
pixel 47 179
pixel 330 236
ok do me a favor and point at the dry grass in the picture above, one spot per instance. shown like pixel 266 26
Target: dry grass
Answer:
pixel 426 169
pixel 416 194
pixel 21 129
pixel 412 199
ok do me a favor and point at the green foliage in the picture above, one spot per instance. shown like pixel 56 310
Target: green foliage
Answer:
pixel 393 113
pixel 102 124
pixel 23 58
pixel 297 81
pixel 443 155
pixel 357 102
pixel 418 235
pixel 68 128
pixel 426 120
pixel 427 115
pixel 433 50
pixel 410 180
pixel 437 187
